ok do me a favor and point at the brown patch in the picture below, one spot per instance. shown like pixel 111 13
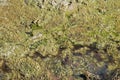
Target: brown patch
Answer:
pixel 98 56
pixel 3 66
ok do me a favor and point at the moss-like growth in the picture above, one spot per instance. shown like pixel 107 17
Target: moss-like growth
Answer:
pixel 60 40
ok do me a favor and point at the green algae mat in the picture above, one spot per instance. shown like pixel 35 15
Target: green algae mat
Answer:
pixel 59 39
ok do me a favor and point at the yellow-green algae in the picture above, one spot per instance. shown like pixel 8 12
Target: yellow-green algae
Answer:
pixel 47 42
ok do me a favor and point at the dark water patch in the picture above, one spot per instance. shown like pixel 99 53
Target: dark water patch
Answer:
pixel 77 46
pixel 29 34
pixel 111 59
pixel 93 46
pixel 105 48
pixel 77 54
pixel 88 52
pixel 97 56
pixel 22 75
pixel 102 72
pixel 84 3
pixel 38 54
pixel 61 48
pixel 118 48
pixel 66 61
pixel 116 41
pixel 82 76
pixel 115 74
pixel 4 67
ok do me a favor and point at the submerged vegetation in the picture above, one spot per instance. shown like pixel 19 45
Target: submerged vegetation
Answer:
pixel 60 40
